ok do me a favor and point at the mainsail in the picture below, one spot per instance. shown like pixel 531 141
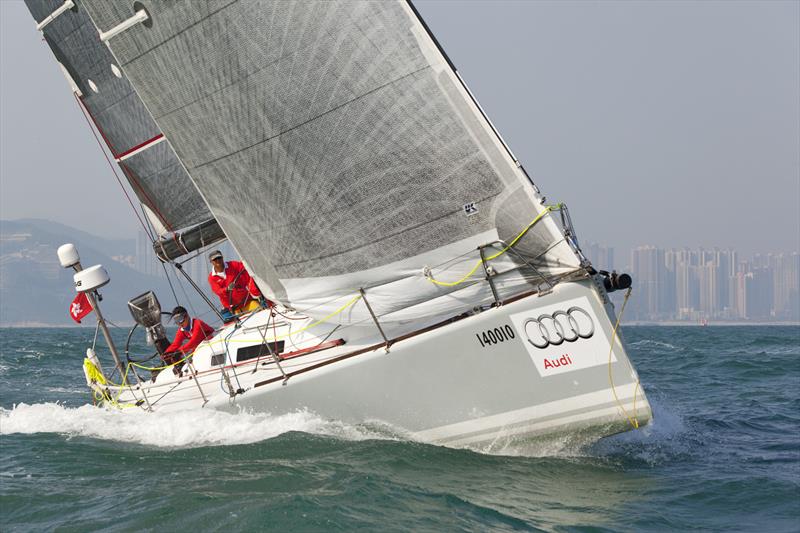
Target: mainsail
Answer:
pixel 171 201
pixel 340 152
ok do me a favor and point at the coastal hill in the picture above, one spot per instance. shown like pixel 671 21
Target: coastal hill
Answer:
pixel 36 291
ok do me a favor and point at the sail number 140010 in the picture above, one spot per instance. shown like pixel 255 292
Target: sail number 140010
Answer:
pixel 494 336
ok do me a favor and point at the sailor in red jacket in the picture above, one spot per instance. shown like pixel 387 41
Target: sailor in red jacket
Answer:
pixel 231 282
pixel 191 332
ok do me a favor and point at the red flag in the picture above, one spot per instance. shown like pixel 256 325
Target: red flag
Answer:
pixel 80 307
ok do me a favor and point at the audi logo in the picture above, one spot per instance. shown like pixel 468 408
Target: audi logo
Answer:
pixel 561 326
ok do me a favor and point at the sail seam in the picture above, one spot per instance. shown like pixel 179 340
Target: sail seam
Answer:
pixel 374 241
pixel 231 84
pixel 376 89
pixel 184 30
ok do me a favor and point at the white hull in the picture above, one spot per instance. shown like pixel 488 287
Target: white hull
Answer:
pixel 442 385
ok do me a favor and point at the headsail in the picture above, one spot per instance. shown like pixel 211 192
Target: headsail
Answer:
pixel 339 150
pixel 171 201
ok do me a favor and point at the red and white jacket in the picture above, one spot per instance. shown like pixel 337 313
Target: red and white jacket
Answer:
pixel 187 339
pixel 242 286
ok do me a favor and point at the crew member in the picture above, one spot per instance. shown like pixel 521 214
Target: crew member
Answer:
pixel 230 281
pixel 191 332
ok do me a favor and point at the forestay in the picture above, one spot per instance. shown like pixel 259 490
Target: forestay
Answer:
pixel 338 150
pixel 150 165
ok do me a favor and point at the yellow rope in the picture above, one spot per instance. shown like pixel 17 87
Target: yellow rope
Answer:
pixel 634 421
pixel 317 323
pixel 93 372
pixel 469 274
pixel 153 368
pixel 101 396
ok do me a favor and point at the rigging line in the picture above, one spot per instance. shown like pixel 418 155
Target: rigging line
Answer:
pixel 119 163
pixel 129 174
pixel 288 335
pixel 632 420
pixel 151 230
pixel 179 267
pixel 96 331
pixel 185 294
pixel 152 205
pixel 481 261
pixel 166 273
pixel 175 296
pixel 230 358
pixel 86 115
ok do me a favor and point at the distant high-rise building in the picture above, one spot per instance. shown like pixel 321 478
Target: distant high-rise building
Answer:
pixel 758 297
pixel 709 288
pixel 786 285
pixel 649 276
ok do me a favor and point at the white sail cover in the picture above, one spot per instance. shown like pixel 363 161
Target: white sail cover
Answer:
pixel 338 149
pixel 150 165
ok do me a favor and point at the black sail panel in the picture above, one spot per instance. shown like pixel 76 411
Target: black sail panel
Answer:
pixel 153 170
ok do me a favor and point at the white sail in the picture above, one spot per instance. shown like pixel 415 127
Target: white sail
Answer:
pixel 338 150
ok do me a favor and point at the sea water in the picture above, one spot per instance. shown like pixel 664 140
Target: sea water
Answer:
pixel 723 454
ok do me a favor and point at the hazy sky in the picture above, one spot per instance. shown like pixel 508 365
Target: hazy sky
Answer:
pixel 666 123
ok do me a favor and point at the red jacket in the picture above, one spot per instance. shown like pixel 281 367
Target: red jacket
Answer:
pixel 241 289
pixel 186 340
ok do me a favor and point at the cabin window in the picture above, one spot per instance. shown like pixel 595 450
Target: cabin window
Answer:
pixel 217 359
pixel 257 350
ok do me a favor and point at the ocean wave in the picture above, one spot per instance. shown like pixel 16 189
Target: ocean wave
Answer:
pixel 667 438
pixel 184 429
pixel 775 350
pixel 649 343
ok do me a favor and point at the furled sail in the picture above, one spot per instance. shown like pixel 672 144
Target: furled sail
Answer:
pixel 172 203
pixel 339 151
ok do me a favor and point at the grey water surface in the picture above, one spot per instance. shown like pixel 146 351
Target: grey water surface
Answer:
pixel 723 454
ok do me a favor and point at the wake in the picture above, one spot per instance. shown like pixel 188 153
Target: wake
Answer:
pixel 183 429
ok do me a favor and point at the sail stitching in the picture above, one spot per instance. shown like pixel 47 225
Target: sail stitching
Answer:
pixel 372 91
pixel 374 241
pixel 184 30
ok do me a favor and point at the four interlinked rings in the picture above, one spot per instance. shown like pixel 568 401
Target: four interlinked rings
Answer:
pixel 553 329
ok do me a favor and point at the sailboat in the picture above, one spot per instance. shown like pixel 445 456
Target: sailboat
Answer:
pixel 420 278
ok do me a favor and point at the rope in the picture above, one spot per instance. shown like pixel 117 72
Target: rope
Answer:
pixel 137 365
pixel 481 261
pixel 84 112
pixel 93 372
pixel 186 294
pixel 634 421
pixel 171 288
pixel 317 323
